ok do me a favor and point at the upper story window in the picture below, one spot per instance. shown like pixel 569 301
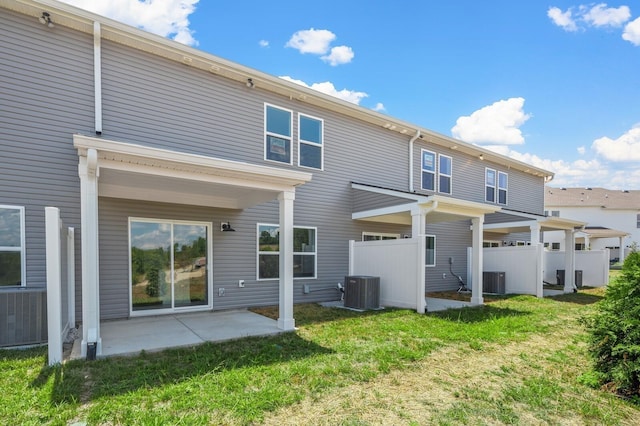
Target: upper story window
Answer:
pixel 502 187
pixel 304 252
pixel 428 170
pixel 310 151
pixel 278 130
pixel 444 174
pixel 12 265
pixel 490 185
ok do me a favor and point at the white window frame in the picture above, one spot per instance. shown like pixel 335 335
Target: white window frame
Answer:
pixel 382 235
pixel 434 251
pixel 272 253
pixel 151 312
pixel 21 249
pixel 440 174
pixel 494 186
pixel 499 188
pixel 277 135
pixel 433 172
pixel 310 143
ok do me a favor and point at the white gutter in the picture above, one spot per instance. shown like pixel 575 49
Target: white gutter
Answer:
pixel 411 141
pixel 97 75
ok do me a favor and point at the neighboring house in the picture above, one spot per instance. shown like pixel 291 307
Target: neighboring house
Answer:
pixel 612 217
pixel 154 152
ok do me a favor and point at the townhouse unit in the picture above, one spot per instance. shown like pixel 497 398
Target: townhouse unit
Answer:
pixel 612 217
pixel 195 183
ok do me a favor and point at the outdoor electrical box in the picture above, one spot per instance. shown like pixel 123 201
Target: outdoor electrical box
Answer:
pixel 362 292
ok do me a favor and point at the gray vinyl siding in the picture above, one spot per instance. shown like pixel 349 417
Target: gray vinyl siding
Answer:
pixel 366 200
pixel 452 240
pixel 525 192
pixel 46 95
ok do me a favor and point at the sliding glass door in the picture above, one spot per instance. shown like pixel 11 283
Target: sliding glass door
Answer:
pixel 169 263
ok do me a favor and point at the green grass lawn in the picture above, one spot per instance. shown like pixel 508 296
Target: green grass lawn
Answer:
pixel 515 361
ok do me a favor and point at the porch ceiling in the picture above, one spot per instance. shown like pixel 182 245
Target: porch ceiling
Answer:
pixel 546 223
pixel 437 208
pixel 137 172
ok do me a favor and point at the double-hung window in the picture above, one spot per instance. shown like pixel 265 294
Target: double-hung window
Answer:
pixel 12 265
pixel 304 252
pixel 502 188
pixel 428 170
pixel 444 174
pixel 278 130
pixel 490 185
pixel 430 258
pixel 310 135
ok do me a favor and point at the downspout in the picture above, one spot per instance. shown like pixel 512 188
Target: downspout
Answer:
pixel 411 141
pixel 97 75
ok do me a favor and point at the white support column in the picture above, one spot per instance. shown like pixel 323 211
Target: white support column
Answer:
pixel 418 230
pixel 621 253
pixel 535 233
pixel 587 242
pixel 286 321
pixel 569 261
pixel 476 241
pixel 71 275
pixel 88 172
pixel 54 284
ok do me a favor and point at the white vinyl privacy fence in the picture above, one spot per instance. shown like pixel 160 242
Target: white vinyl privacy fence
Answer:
pixel 396 263
pixel 594 265
pixel 60 262
pixel 523 267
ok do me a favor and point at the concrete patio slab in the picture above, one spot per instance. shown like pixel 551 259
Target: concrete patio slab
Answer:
pixel 156 333
pixel 435 305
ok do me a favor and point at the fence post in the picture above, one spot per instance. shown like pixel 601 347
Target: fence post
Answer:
pixel 54 294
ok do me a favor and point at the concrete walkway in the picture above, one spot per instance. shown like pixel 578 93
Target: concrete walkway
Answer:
pixel 155 333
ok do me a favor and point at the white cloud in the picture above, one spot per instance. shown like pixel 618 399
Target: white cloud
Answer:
pixel 632 32
pixel 311 41
pixel 624 148
pixel 329 89
pixel 263 43
pixel 339 55
pixel 496 124
pixel 581 150
pixel 600 15
pixel 167 18
pixel 562 19
pixel 318 42
pixel 379 107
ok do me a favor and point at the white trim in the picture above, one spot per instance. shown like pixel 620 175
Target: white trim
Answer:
pixel 506 190
pixel 21 249
pixel 315 144
pixel 278 135
pixel 450 176
pixel 173 309
pixel 434 172
pixel 494 186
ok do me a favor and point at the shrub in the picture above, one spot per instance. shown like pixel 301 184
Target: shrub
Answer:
pixel 614 331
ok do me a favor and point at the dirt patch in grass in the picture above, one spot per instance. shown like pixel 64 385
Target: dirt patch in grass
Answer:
pixel 516 383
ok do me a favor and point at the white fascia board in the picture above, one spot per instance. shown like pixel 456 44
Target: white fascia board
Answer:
pixel 130 157
pixel 462 207
pixel 384 211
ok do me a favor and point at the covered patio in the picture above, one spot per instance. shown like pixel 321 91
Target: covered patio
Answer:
pixel 128 171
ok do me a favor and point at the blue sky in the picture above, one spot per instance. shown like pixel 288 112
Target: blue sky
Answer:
pixel 553 84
